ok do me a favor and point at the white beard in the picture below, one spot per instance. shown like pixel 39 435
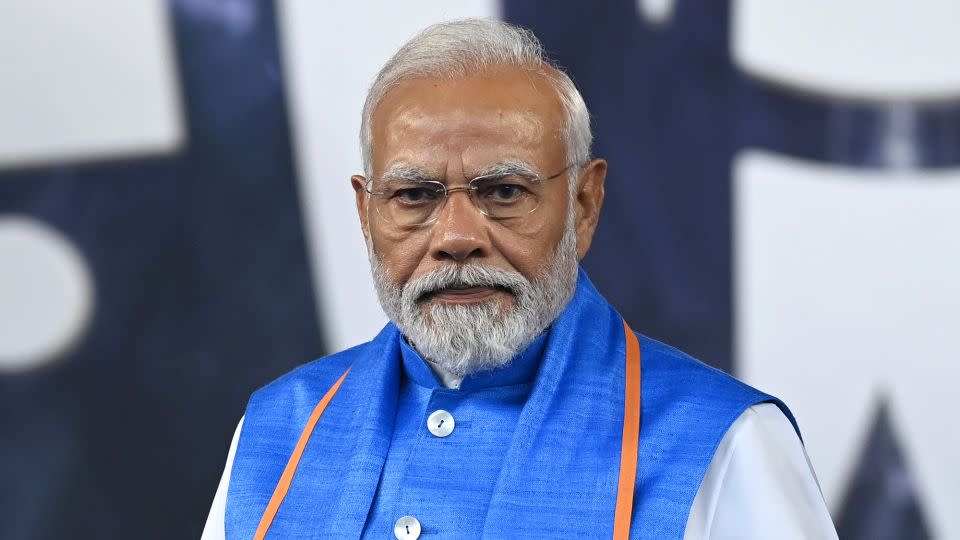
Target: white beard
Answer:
pixel 461 339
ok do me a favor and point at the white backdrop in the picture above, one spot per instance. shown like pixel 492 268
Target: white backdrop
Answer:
pixel 847 281
pixel 860 49
pixel 84 80
pixel 848 288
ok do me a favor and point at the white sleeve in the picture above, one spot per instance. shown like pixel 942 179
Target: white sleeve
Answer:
pixel 215 527
pixel 760 484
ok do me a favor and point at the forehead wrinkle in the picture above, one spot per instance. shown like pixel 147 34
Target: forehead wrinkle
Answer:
pixel 414 120
pixel 460 128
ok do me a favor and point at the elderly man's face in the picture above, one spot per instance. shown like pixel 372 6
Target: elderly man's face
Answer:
pixel 452 131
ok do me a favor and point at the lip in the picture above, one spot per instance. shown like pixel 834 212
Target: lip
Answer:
pixel 466 295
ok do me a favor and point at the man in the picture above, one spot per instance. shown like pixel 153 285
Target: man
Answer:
pixel 506 399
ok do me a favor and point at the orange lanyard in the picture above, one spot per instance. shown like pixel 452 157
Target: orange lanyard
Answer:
pixel 283 486
pixel 628 449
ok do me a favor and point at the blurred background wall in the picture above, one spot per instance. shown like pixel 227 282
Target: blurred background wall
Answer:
pixel 177 228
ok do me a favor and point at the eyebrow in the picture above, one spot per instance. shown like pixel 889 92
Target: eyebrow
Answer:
pixel 506 168
pixel 405 173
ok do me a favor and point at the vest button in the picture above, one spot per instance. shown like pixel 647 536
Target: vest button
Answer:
pixel 407 528
pixel 440 423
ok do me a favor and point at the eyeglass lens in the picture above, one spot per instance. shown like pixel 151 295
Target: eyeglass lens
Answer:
pixel 417 203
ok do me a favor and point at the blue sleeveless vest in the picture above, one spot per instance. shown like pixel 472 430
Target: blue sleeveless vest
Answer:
pixel 541 490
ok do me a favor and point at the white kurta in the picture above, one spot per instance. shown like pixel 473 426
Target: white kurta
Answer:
pixel 759 485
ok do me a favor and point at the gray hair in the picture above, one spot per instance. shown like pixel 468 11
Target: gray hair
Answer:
pixel 462 47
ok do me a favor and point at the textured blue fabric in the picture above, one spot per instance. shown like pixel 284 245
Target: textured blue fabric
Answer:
pixel 548 468
pixel 450 479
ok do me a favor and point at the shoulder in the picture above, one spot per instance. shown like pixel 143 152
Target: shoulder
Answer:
pixel 305 381
pixel 679 386
pixel 321 372
pixel 277 412
pixel 289 400
pixel 687 410
pixel 665 361
pixel 671 373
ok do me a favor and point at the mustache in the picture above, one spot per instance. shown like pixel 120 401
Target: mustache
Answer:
pixel 463 276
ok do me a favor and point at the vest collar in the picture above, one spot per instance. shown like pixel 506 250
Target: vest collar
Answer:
pixel 522 369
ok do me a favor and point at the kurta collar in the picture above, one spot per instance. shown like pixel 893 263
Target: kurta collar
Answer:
pixel 522 369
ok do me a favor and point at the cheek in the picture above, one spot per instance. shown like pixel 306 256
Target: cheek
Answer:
pixel 400 253
pixel 532 246
pixel 531 249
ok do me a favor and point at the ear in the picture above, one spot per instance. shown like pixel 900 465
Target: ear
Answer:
pixel 358 182
pixel 589 199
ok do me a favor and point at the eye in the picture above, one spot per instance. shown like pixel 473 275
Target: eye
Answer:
pixel 507 192
pixel 503 192
pixel 415 195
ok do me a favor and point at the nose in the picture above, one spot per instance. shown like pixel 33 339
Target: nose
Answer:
pixel 461 231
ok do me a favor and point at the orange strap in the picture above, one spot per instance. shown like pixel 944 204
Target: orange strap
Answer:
pixel 283 486
pixel 631 439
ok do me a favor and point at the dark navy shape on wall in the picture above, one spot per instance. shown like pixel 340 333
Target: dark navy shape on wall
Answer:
pixel 203 293
pixel 882 502
pixel 661 101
